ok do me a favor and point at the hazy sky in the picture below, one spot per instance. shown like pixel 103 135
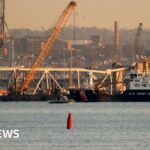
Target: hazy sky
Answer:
pixel 100 13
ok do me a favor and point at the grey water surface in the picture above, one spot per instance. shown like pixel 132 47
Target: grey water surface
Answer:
pixel 96 126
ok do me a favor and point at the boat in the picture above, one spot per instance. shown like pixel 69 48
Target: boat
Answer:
pixel 139 84
pixel 61 99
pixel 17 97
pixel 84 95
pixel 137 87
pixel 88 92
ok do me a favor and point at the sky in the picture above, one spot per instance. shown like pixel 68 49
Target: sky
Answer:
pixel 34 14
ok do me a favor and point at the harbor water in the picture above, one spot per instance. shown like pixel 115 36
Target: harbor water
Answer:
pixel 96 126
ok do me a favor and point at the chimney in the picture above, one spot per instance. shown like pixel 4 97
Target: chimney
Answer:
pixel 116 35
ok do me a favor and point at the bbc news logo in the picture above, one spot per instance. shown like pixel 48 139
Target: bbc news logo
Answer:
pixel 9 134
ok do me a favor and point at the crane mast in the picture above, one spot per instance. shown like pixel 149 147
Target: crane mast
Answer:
pixel 136 50
pixel 2 22
pixel 48 45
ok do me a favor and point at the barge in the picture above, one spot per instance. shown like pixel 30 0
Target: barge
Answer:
pixel 27 98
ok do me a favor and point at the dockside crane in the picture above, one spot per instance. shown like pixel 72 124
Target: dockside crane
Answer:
pixel 2 22
pixel 136 50
pixel 48 44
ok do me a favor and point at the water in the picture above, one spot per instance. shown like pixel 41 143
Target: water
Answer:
pixel 97 126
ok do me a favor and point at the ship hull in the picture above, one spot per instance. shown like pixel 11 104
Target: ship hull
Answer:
pixel 87 95
pixel 133 96
pixel 17 97
pixel 95 96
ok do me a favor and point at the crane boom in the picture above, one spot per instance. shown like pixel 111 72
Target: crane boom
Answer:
pixel 136 50
pixel 48 45
pixel 2 22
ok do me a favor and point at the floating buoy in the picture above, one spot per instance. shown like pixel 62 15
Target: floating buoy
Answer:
pixel 69 121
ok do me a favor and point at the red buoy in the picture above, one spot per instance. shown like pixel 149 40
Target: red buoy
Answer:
pixel 69 121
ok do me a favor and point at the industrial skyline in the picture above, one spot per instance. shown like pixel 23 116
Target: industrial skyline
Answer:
pixel 100 13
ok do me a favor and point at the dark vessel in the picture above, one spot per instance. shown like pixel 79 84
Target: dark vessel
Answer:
pixel 139 85
pixel 84 95
pixel 88 92
pixel 17 97
pixel 54 97
pixel 133 96
pixel 136 90
pixel 88 95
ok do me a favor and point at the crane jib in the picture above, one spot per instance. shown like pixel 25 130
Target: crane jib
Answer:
pixel 48 45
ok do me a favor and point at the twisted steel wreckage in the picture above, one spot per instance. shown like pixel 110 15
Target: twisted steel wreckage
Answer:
pixel 59 84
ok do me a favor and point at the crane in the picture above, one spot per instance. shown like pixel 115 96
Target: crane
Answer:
pixel 137 41
pixel 2 21
pixel 48 45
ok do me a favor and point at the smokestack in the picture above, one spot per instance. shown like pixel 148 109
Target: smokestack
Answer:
pixel 116 35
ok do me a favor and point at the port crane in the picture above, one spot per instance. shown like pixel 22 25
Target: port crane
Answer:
pixel 2 22
pixel 136 50
pixel 48 44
